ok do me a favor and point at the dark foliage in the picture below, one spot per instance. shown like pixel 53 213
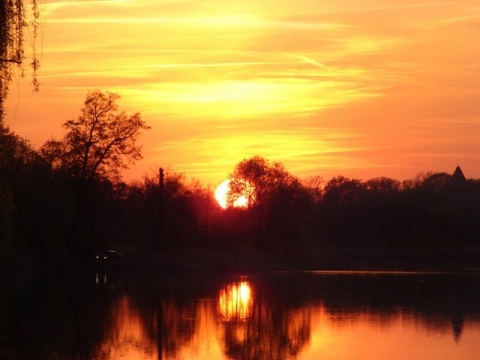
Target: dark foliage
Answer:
pixel 39 205
pixel 431 211
pixel 285 216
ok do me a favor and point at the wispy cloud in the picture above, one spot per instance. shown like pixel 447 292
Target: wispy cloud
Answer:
pixel 325 87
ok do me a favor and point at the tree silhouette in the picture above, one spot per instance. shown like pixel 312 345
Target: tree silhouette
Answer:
pixel 100 143
pixel 6 209
pixel 276 200
pixel 35 205
pixel 12 25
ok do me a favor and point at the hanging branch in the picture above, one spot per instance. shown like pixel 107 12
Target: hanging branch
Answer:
pixel 15 61
pixel 35 58
pixel 12 25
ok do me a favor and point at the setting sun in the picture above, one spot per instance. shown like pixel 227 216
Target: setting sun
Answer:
pixel 221 195
pixel 220 175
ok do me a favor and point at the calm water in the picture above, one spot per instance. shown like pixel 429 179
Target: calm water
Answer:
pixel 316 315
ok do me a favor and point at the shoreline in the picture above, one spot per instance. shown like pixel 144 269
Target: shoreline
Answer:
pixel 192 260
pixel 314 259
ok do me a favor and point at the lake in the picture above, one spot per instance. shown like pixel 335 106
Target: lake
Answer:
pixel 272 315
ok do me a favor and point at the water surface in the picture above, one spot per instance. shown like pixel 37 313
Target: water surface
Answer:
pixel 314 315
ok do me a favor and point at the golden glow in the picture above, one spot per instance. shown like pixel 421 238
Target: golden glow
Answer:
pixel 221 195
pixel 345 87
pixel 304 330
pixel 235 301
pixel 126 336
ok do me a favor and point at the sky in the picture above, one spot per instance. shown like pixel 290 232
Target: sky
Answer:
pixel 326 87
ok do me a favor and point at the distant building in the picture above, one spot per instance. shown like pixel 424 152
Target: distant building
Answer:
pixel 458 177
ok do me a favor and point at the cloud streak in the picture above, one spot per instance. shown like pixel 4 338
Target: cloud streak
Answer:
pixel 328 88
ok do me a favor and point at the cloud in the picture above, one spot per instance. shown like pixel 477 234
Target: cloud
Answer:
pixel 220 81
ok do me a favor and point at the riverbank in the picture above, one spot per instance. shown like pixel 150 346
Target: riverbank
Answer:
pixel 448 259
pixel 234 261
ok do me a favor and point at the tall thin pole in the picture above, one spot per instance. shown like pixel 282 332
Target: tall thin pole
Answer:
pixel 161 200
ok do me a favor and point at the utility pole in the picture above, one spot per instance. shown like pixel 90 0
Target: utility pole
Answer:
pixel 161 205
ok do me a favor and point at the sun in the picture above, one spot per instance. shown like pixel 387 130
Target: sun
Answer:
pixel 221 195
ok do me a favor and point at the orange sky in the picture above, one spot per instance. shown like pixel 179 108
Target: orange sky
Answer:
pixel 345 87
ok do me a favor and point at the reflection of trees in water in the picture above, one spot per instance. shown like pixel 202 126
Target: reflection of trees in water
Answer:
pixel 167 324
pixel 125 334
pixel 177 325
pixel 6 349
pixel 88 322
pixel 269 329
pixel 276 324
pixel 438 304
pixel 51 320
pixel 386 319
pixel 272 330
pixel 276 332
pixel 134 326
pixel 235 301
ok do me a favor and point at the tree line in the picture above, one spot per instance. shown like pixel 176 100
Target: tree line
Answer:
pixel 67 199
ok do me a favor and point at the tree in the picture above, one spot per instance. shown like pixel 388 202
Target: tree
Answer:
pixel 12 25
pixel 169 212
pixel 34 208
pixel 257 179
pixel 6 209
pixel 437 182
pixel 382 185
pixel 100 143
pixel 97 146
pixel 342 191
pixel 275 200
pixel 339 215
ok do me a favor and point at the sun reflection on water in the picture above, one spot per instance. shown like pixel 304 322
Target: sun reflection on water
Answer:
pixel 240 321
pixel 235 301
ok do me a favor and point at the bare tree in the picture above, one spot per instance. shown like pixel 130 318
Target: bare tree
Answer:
pixel 100 143
pixel 97 146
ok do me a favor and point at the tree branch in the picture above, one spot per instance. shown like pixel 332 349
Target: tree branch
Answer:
pixel 11 61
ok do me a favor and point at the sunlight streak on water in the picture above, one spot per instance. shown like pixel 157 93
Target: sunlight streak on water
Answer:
pixel 235 301
pixel 339 315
